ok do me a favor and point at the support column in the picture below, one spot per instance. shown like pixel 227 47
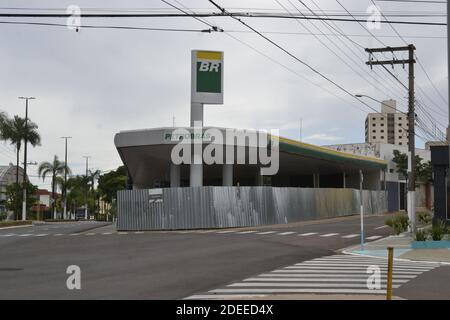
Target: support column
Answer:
pixel 227 174
pixel 175 175
pixel 196 168
pixel 316 180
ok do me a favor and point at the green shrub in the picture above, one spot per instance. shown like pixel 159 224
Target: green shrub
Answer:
pixel 424 217
pixel 399 223
pixel 438 230
pixel 420 235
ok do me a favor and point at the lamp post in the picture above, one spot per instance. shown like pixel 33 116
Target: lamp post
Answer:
pixel 65 179
pixel 86 195
pixel 24 200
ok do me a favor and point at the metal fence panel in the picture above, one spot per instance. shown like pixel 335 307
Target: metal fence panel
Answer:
pixel 226 207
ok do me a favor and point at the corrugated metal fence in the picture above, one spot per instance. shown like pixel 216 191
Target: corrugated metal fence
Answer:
pixel 224 207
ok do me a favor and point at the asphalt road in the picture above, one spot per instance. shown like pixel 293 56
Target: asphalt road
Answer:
pixel 162 265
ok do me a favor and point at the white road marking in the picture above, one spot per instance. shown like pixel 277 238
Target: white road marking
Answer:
pixel 224 296
pixel 41 235
pixel 303 285
pixel 329 235
pixel 139 232
pixel 58 234
pixel 349 236
pixel 285 233
pixel 7 235
pixel 266 232
pixel 297 290
pixel 382 227
pixel 307 234
pixel 373 237
pixel 105 233
pixel 226 231
pixel 122 232
pixel 25 235
pixel 337 274
pixel 90 234
pixel 245 232
pixel 352 279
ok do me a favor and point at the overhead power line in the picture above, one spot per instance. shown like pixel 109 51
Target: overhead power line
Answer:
pixel 178 15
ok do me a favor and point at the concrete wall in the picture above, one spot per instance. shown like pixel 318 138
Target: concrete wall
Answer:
pixel 225 207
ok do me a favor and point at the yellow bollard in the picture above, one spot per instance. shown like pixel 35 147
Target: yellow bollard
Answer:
pixel 389 275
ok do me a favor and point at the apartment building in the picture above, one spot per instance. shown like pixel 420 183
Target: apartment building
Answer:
pixel 388 126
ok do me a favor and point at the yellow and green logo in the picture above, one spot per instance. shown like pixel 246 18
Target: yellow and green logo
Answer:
pixel 209 71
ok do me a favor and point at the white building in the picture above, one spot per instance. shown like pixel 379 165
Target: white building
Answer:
pixel 395 184
pixel 8 175
pixel 388 126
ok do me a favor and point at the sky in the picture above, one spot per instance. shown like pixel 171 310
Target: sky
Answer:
pixel 94 83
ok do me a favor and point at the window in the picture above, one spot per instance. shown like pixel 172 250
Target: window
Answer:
pixel 373 124
pixel 373 131
pixel 382 124
pixel 400 130
pixel 400 143
pixel 399 118
pixel 382 130
pixel 374 119
pixel 382 137
pixel 374 137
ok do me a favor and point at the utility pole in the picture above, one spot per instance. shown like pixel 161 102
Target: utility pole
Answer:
pixel 86 195
pixel 448 79
pixel 65 179
pixel 24 186
pixel 411 207
pixel 361 209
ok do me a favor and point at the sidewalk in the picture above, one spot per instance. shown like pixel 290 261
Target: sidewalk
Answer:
pixel 402 250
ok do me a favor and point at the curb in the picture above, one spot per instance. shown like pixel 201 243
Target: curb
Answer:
pixel 14 227
pixel 345 251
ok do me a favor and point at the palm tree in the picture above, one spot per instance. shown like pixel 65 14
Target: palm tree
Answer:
pixel 15 131
pixel 93 176
pixel 55 169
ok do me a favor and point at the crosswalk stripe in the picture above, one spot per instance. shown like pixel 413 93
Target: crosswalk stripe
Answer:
pixel 285 233
pixel 349 236
pixel 320 280
pixel 297 290
pixel 337 274
pixel 7 235
pixel 25 235
pixel 106 233
pixel 226 231
pixel 381 227
pixel 303 285
pixel 329 235
pixel 341 271
pixel 307 234
pixel 373 237
pixel 57 234
pixel 266 232
pixel 41 235
pixel 345 265
pixel 224 296
pixel 332 275
pixel 246 232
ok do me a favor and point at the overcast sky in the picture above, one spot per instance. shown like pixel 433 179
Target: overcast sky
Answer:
pixel 94 83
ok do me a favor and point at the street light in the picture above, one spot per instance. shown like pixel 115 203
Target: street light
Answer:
pixel 65 178
pixel 87 191
pixel 24 201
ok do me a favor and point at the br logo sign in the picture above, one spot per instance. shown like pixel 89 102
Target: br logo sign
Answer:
pixel 207 77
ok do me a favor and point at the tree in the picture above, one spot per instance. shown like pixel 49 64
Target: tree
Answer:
pixel 93 176
pixel 111 182
pixel 16 131
pixel 423 171
pixel 14 197
pixel 53 169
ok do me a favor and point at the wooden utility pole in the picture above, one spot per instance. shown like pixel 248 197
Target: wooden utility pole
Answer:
pixel 411 117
